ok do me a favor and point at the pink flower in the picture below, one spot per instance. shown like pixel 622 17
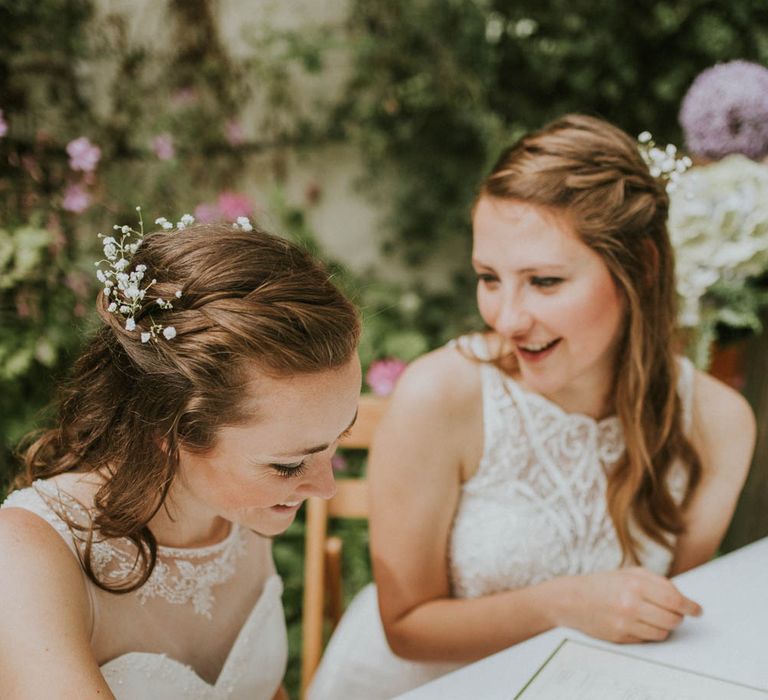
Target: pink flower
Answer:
pixel 163 146
pixel 184 97
pixel 76 199
pixel 234 133
pixel 3 125
pixel 382 375
pixel 207 213
pixel 339 463
pixel 234 204
pixel 83 155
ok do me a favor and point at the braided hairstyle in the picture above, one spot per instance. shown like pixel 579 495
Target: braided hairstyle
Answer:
pixel 592 171
pixel 248 299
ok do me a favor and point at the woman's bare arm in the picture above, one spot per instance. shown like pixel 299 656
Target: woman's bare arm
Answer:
pixel 429 436
pixel 724 436
pixel 44 636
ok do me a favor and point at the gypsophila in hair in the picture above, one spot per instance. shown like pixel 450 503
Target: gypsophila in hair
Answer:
pixel 663 164
pixel 125 287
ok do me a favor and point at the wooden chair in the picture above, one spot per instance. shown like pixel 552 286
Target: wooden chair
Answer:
pixel 323 592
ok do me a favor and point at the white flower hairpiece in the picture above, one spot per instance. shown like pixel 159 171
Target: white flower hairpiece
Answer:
pixel 124 286
pixel 663 163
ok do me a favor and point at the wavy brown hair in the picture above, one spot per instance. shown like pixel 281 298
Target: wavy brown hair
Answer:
pixel 248 299
pixel 593 172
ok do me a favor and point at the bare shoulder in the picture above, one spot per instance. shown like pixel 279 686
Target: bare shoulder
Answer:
pixel 724 426
pixel 444 382
pixel 38 555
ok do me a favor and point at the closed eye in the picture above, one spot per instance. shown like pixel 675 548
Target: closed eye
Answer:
pixel 289 470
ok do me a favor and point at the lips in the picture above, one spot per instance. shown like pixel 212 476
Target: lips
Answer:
pixel 287 507
pixel 533 352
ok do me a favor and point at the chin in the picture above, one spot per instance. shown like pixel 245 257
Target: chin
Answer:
pixel 267 526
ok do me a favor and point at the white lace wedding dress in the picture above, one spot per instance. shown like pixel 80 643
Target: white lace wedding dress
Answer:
pixel 534 510
pixel 205 626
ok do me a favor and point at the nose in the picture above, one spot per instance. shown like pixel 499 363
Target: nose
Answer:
pixel 320 482
pixel 513 317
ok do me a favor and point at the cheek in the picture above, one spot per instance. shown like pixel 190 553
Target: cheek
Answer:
pixel 486 305
pixel 235 489
pixel 596 315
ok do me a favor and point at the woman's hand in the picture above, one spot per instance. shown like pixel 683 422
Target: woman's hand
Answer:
pixel 626 606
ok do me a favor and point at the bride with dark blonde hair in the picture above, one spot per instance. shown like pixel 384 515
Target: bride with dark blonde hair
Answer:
pixel 556 469
pixel 135 552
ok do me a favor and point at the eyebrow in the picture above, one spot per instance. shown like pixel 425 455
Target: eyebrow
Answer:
pixel 318 448
pixel 524 270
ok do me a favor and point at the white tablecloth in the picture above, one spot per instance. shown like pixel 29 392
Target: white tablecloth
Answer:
pixel 730 640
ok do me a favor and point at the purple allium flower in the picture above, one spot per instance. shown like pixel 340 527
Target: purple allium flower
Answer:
pixel 76 199
pixel 3 125
pixel 163 147
pixel 382 375
pixel 83 155
pixel 726 111
pixel 234 204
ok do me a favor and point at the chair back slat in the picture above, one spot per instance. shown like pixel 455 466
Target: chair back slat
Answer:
pixel 370 410
pixel 351 499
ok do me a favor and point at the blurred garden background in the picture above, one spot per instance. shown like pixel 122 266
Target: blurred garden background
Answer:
pixel 360 128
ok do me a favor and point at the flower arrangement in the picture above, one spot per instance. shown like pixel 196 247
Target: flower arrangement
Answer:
pixel 718 224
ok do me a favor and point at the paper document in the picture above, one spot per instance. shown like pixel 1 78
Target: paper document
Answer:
pixel 579 671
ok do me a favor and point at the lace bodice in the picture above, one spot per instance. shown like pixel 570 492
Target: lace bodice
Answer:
pixel 536 507
pixel 205 626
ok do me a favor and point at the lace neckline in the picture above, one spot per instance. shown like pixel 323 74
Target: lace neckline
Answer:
pixel 529 396
pixel 181 575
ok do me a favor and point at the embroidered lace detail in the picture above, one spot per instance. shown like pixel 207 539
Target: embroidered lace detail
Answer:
pixel 180 575
pixel 536 507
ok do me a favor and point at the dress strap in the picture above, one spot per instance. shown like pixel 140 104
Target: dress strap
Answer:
pixel 685 383
pixel 37 502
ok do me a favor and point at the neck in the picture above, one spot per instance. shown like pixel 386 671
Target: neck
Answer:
pixel 181 523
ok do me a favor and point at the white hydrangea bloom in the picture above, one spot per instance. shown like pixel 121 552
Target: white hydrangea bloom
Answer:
pixel 169 332
pixel 130 324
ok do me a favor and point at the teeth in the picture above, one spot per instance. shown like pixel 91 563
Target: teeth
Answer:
pixel 290 504
pixel 537 348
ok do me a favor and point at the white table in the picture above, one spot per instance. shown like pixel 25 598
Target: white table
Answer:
pixel 730 640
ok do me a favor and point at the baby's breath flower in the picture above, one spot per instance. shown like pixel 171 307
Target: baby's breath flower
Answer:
pixel 243 223
pixel 663 164
pixel 126 288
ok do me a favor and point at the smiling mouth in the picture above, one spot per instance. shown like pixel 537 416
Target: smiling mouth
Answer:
pixel 538 348
pixel 287 506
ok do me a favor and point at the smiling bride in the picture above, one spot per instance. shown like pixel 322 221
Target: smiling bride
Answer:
pixel 135 554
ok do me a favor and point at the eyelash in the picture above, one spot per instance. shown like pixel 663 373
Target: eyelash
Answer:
pixel 541 282
pixel 546 282
pixel 289 470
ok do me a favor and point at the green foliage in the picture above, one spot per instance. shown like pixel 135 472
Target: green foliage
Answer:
pixel 39 310
pixel 440 85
